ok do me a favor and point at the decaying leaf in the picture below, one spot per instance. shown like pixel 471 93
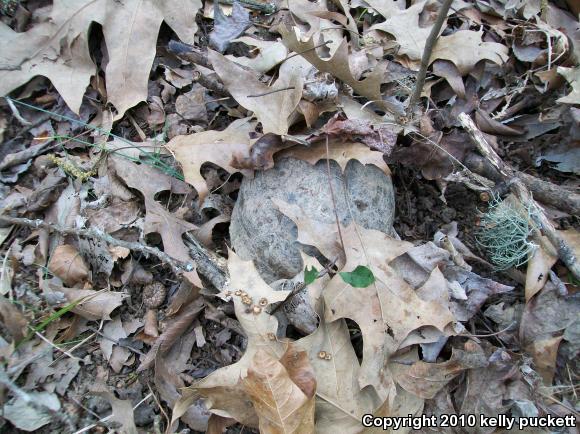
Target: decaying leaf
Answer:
pixel 281 404
pixel 94 305
pixel 338 66
pixel 216 147
pixel 272 105
pixel 228 28
pixel 58 47
pixel 27 417
pixel 122 409
pixel 68 265
pixel 466 47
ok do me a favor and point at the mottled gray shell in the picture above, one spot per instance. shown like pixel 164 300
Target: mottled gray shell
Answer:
pixel 262 233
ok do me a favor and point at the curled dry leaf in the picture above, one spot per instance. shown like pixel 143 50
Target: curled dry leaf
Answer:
pixel 427 379
pixel 227 28
pixel 58 47
pixel 272 105
pixel 271 53
pixel 93 305
pixel 216 147
pixel 122 408
pixel 281 405
pixel 466 47
pixel 404 26
pixel 338 66
pixel 340 151
pixel 68 265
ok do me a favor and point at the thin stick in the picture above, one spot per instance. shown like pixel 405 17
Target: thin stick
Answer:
pixel 521 192
pixel 271 92
pixel 429 45
pixel 177 266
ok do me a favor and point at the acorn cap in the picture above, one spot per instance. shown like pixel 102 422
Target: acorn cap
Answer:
pixel 154 295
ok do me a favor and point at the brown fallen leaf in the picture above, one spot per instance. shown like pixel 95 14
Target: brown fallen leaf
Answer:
pixel 14 321
pixel 122 408
pixel 466 47
pixel 94 305
pixel 216 147
pixel 338 66
pixel 282 406
pixel 404 26
pixel 221 390
pixel 340 151
pixel 68 265
pixel 149 181
pixel 544 353
pixel 377 137
pixel 272 105
pixel 58 47
pixel 427 379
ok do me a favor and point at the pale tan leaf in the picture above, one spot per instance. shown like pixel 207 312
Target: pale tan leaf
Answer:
pixel 466 47
pixel 216 147
pixel 58 48
pixel 404 26
pixel 425 380
pixel 282 407
pixel 150 181
pixel 338 66
pixel 270 54
pixel 68 265
pixel 538 269
pixel 94 305
pixel 220 390
pixel 122 408
pixel 272 109
pixel 340 151
pixel 572 76
pixel 544 353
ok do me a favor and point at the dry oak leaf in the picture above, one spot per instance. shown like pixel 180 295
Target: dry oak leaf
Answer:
pixel 425 380
pixel 572 76
pixel 465 48
pixel 68 265
pixel 58 48
pixel 281 404
pixel 404 26
pixel 340 151
pixel 93 305
pixel 272 105
pixel 221 391
pixel 387 311
pixel 339 67
pixel 149 181
pixel 217 147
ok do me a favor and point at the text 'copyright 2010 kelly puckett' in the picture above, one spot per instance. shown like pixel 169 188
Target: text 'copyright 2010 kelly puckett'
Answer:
pixel 468 420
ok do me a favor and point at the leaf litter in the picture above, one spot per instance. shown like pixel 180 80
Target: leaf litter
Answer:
pixel 317 241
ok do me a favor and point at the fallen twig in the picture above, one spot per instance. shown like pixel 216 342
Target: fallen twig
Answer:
pixel 177 266
pixel 429 45
pixel 523 194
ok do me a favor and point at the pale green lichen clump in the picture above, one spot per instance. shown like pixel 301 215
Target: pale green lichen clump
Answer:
pixel 505 233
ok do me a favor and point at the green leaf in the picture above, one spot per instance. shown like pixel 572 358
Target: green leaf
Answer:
pixel 310 275
pixel 360 277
